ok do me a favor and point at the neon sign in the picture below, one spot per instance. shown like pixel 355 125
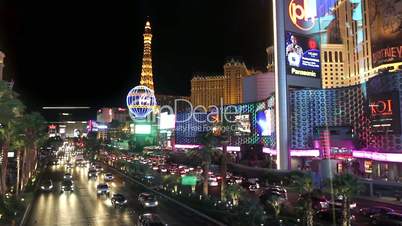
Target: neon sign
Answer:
pixel 381 107
pixel 303 13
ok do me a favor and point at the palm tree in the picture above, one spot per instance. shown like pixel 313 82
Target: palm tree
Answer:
pixel 234 192
pixel 32 128
pixel 305 186
pixel 205 153
pixel 10 110
pixel 345 186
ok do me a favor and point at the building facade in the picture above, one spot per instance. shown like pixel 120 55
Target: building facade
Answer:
pixel 258 87
pixel 220 89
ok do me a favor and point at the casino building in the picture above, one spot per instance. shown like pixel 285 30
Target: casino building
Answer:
pixel 359 126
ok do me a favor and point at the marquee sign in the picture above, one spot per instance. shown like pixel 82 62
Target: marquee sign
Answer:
pixel 385 113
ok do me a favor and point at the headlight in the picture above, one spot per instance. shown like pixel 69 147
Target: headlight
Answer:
pixel 43 187
pixel 125 201
pixel 156 202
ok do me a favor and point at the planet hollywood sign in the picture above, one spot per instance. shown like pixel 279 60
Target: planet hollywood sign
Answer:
pixel 303 14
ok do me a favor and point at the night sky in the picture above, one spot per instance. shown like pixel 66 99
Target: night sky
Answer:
pixel 88 53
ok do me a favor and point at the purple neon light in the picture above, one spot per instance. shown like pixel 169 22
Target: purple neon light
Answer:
pixel 377 156
pixel 296 153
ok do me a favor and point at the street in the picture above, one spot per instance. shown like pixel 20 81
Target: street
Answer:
pixel 83 207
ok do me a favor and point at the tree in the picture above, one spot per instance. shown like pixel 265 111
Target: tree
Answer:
pixel 234 193
pixel 208 142
pixel 11 110
pixel 345 186
pixel 305 187
pixel 31 131
pixel 92 145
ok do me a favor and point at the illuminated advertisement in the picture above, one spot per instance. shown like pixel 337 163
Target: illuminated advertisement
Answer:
pixel 385 113
pixel 243 124
pixel 386 31
pixel 167 121
pixel 368 166
pixel 302 56
pixel 142 129
pixel 265 122
pixel 140 101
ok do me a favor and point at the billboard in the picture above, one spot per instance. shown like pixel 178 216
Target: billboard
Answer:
pixel 385 113
pixel 264 120
pixel 302 55
pixel 385 31
pixel 167 121
pixel 142 129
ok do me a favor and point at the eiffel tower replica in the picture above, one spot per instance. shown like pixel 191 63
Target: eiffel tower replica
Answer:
pixel 146 72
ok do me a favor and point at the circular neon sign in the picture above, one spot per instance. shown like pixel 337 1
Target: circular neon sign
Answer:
pixel 303 14
pixel 141 101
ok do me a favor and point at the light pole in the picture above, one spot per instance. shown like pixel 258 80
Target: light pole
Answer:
pixel 281 86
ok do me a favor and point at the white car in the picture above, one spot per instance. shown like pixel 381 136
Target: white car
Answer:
pixel 109 177
pixel 213 181
pixel 148 200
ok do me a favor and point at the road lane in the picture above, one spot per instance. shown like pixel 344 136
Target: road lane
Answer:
pixel 84 207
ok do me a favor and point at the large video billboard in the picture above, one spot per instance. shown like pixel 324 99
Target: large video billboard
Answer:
pixel 386 31
pixel 303 55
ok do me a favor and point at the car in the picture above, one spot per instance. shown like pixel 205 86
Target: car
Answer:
pixel 46 185
pixel 370 212
pixel 339 202
pixel 147 200
pixel 54 163
pixel 109 177
pixel 279 191
pixel 118 200
pixel 388 219
pixel 254 187
pixel 213 181
pixel 150 219
pixel 98 168
pixel 162 169
pixel 67 185
pixel 102 189
pixel 92 174
pixel 319 202
pixel 69 165
pixel 68 176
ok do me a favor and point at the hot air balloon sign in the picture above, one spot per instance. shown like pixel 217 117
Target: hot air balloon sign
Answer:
pixel 141 101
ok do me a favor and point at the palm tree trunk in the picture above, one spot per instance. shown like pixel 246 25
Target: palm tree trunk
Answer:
pixel 4 168
pixel 223 174
pixel 310 214
pixel 345 210
pixel 17 186
pixel 24 169
pixel 205 182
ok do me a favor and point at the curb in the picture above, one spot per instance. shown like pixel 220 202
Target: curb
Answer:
pixel 167 197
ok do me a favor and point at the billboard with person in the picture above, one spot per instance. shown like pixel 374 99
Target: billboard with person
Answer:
pixel 385 31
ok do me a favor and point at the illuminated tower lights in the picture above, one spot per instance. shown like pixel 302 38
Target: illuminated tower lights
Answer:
pixel 146 73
